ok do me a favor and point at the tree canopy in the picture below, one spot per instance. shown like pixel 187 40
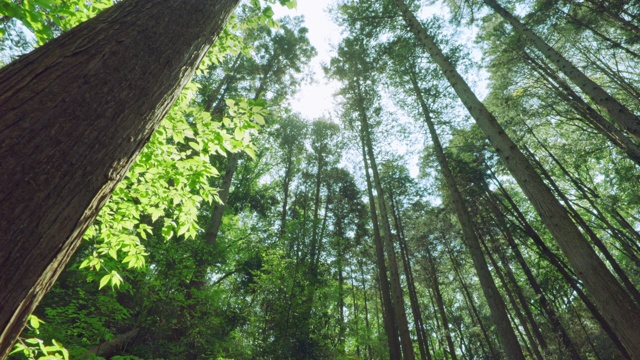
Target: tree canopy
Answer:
pixel 473 194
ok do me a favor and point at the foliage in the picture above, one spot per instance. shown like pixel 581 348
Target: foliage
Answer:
pixel 293 271
pixel 35 349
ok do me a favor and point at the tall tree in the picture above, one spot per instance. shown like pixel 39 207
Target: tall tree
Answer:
pixel 75 113
pixel 615 304
pixel 496 304
pixel 616 110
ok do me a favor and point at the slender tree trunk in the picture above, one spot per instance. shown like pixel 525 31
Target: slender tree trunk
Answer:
pixel 618 112
pixel 562 269
pixel 388 313
pixel 563 337
pixel 624 23
pixel 366 310
pixel 615 304
pixel 396 288
pixel 496 304
pixel 218 209
pixel 423 345
pixel 285 189
pixel 579 23
pixel 526 320
pixel 635 294
pixel 591 117
pixel 470 302
pixel 74 114
pixel 435 285
pixel 227 78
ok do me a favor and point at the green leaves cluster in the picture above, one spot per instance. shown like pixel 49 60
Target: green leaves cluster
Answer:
pixel 163 190
pixel 46 18
pixel 34 348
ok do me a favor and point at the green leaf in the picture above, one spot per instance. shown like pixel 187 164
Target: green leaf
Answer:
pixel 292 4
pixel 104 281
pixel 34 322
pixel 259 119
pixel 250 152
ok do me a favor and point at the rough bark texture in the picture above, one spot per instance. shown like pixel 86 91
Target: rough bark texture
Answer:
pixel 497 307
pixel 618 112
pixel 614 303
pixel 73 116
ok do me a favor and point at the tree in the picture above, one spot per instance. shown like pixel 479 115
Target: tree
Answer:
pixel 496 304
pixel 617 111
pixel 614 302
pixel 75 113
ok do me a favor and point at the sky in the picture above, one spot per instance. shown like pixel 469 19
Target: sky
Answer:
pixel 315 99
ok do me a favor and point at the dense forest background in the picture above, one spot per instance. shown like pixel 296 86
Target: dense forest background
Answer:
pixel 413 221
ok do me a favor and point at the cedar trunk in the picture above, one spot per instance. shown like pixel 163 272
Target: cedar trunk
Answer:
pixel 74 114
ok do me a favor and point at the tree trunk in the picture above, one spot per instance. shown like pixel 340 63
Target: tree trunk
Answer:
pixel 617 137
pixel 527 323
pixel 75 113
pixel 388 314
pixel 562 269
pixel 435 285
pixel 113 346
pixel 615 304
pixel 396 288
pixel 618 112
pixel 563 337
pixel 496 304
pixel 421 333
pixel 366 310
pixel 472 307
pixel 223 194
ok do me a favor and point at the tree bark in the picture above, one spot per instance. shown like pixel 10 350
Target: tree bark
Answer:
pixel 618 112
pixel 75 113
pixel 615 304
pixel 113 346
pixel 435 286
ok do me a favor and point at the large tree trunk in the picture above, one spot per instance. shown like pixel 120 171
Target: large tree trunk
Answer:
pixel 615 304
pixel 74 114
pixel 618 112
pixel 498 309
